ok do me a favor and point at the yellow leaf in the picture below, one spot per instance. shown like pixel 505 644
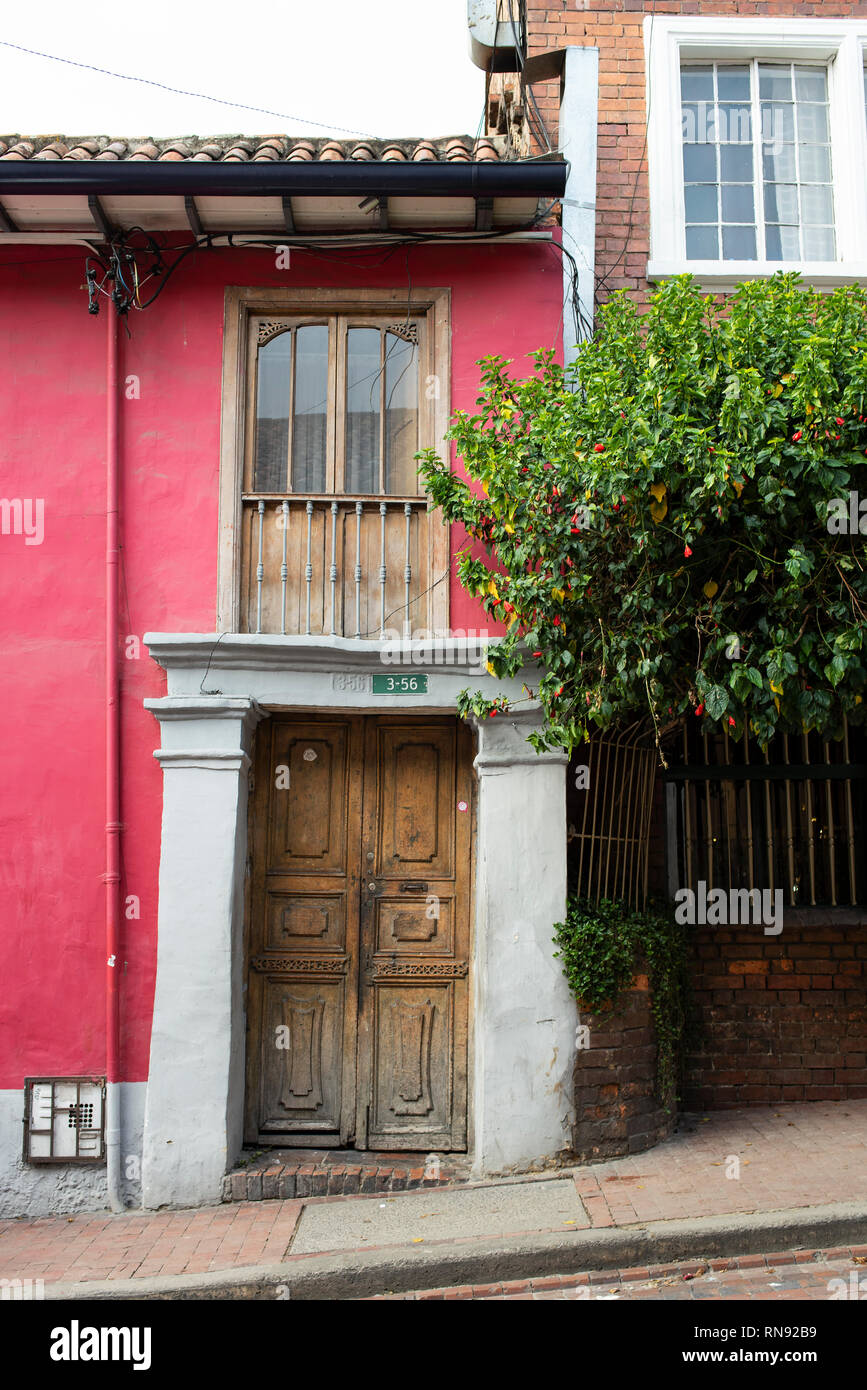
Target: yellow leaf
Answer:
pixel 738 487
pixel 658 511
pixel 491 670
pixel 778 389
pixel 658 491
pixel 510 530
pixel 492 589
pixel 559 594
pixel 778 690
pixel 710 589
pixel 588 494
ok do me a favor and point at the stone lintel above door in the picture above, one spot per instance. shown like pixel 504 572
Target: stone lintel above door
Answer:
pixel 329 672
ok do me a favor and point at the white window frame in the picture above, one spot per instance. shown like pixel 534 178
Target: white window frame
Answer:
pixel 842 44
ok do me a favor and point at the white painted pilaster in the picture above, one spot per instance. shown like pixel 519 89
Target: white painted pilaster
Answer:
pixel 525 1016
pixel 578 123
pixel 194 1106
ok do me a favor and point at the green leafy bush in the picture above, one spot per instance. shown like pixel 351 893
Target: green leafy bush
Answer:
pixel 658 541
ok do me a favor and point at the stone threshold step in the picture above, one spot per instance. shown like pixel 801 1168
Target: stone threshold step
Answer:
pixel 299 1173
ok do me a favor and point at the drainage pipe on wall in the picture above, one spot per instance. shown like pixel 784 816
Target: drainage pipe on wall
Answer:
pixel 112 776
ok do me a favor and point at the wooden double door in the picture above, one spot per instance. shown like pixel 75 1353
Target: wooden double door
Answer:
pixel 359 933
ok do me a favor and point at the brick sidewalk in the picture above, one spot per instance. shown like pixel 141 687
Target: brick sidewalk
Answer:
pixel 788 1156
pixel 791 1156
pixel 801 1275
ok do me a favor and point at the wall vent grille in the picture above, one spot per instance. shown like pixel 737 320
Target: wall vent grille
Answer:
pixel 64 1119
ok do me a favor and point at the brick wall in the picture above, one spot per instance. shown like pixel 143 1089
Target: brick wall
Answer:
pixel 615 28
pixel 780 1018
pixel 617 1110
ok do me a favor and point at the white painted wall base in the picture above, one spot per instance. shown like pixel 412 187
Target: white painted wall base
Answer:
pixel 44 1189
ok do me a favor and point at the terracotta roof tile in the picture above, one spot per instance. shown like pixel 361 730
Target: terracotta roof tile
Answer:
pixel 303 150
pixel 22 149
pixel 457 151
pixel 263 148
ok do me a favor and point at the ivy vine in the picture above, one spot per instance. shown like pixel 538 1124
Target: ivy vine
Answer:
pixel 603 945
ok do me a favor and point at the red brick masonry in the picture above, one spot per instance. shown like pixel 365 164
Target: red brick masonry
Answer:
pixel 782 1018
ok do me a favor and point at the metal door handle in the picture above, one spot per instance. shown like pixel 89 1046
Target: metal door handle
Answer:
pixel 414 887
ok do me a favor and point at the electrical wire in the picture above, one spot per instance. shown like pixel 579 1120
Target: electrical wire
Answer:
pixel 179 91
pixel 526 91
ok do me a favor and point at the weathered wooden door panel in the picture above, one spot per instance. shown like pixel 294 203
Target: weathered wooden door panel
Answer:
pixel 415 929
pixel 300 1054
pixel 359 933
pixel 303 979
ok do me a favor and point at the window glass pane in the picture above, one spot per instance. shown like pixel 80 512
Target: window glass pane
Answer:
pixel 820 244
pixel 738 203
pixel 778 123
pixel 779 164
pixel 813 124
pixel 401 416
pixel 817 205
pixel 699 163
pixel 272 414
pixel 783 243
pixel 363 386
pixel 702 203
pixel 736 163
pixel 696 83
pixel 735 124
pixel 739 243
pixel 815 162
pixel 775 83
pixel 693 123
pixel 733 83
pixel 311 408
pixel 702 244
pixel 811 84
pixel 781 202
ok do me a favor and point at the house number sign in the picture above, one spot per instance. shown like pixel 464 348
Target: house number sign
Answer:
pixel 400 685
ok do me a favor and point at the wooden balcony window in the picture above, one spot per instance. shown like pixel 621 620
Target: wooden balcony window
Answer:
pixel 333 535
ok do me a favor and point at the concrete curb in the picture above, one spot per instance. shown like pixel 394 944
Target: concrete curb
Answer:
pixel 400 1269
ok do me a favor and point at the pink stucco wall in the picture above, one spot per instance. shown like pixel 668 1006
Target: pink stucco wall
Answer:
pixel 505 299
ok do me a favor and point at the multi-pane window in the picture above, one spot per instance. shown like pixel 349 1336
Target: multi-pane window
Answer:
pixel 757 162
pixel 336 406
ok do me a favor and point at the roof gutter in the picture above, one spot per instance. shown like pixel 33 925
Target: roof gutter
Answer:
pixel 347 178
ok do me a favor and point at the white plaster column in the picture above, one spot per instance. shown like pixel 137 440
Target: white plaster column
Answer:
pixel 194 1105
pixel 525 1015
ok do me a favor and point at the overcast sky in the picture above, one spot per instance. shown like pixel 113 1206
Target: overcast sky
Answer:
pixel 375 67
